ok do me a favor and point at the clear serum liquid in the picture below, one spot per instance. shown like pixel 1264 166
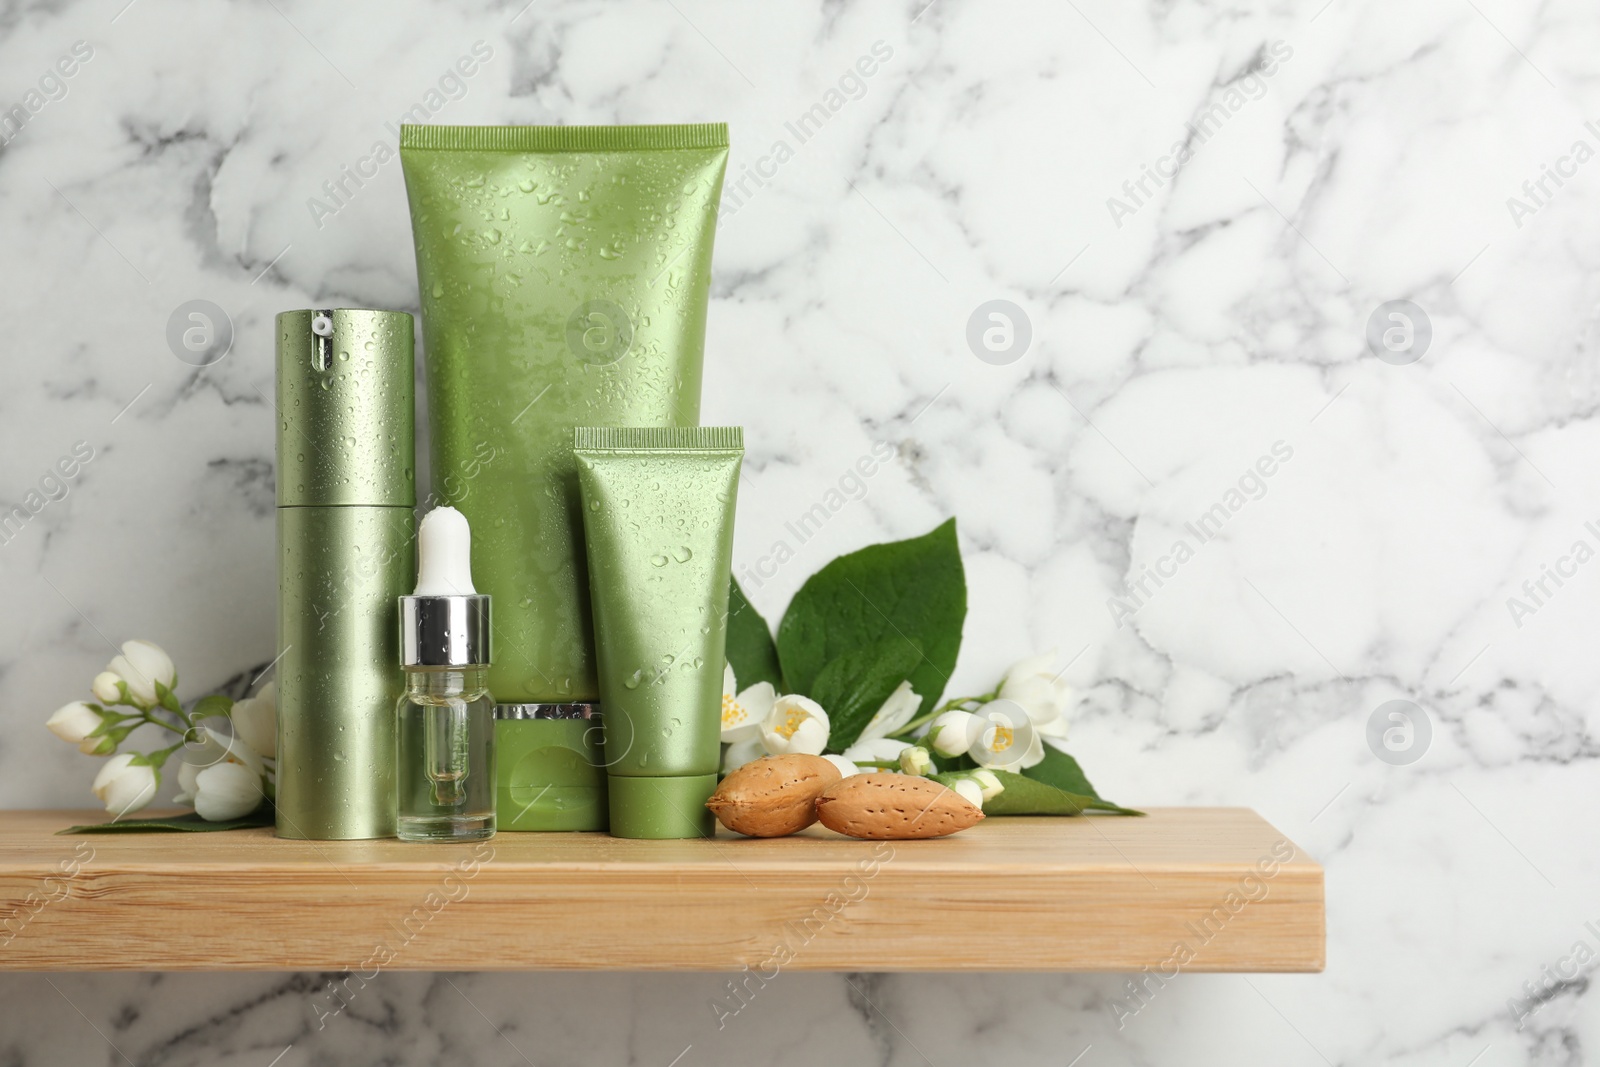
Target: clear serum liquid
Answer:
pixel 446 766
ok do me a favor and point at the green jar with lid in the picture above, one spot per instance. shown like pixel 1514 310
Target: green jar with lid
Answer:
pixel 550 767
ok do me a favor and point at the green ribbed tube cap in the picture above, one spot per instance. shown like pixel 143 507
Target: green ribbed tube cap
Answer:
pixel 661 808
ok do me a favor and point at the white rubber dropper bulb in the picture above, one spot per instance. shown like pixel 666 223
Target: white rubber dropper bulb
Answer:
pixel 444 554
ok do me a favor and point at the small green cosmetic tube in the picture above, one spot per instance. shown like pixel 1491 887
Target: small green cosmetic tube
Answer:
pixel 658 507
pixel 551 767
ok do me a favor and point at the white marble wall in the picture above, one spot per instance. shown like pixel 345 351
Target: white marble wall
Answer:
pixel 1178 335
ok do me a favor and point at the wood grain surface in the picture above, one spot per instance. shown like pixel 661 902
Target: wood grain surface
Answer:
pixel 1198 889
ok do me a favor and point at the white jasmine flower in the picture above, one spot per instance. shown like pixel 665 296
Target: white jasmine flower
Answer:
pixel 1039 690
pixel 187 773
pixel 226 791
pixel 988 781
pixel 741 752
pixel 795 724
pixel 255 720
pixel 1006 738
pixel 896 711
pixel 952 733
pixel 915 760
pixel 976 786
pixel 141 665
pixel 742 713
pixel 105 688
pixel 846 768
pixel 218 797
pixel 206 747
pixel 125 783
pixel 881 748
pixel 74 722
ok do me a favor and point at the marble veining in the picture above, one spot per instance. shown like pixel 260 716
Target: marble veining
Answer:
pixel 1201 213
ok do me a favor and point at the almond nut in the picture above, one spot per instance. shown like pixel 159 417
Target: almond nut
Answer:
pixel 895 807
pixel 773 796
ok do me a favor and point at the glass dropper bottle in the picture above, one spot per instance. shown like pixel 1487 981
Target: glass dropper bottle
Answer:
pixel 446 716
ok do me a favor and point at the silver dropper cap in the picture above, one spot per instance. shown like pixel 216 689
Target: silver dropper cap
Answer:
pixel 445 631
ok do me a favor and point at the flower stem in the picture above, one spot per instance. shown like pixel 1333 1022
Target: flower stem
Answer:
pixel 953 704
pixel 153 721
pixel 923 720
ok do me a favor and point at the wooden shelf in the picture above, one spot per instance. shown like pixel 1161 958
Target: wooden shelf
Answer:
pixel 1011 894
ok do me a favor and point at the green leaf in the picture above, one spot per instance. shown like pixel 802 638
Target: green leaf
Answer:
pixel 852 687
pixel 913 591
pixel 190 822
pixel 1025 796
pixel 751 653
pixel 1062 771
pixel 215 706
pixel 960 762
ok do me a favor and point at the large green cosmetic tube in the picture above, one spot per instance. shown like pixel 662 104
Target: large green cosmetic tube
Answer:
pixel 658 520
pixel 564 274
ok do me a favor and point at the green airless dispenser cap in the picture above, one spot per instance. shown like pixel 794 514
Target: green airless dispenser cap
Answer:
pixel 345 409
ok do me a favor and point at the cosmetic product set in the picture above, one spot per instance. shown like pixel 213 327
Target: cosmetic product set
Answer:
pixel 558 664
